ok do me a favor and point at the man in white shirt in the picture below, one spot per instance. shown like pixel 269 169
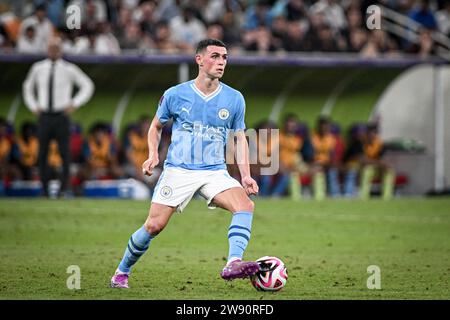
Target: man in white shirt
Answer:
pixel 54 80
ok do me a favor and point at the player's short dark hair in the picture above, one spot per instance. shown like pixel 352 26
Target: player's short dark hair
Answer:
pixel 203 44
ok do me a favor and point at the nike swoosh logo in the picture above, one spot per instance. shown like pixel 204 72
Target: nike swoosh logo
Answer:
pixel 185 110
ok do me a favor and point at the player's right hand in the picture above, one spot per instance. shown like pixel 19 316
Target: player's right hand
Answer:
pixel 149 165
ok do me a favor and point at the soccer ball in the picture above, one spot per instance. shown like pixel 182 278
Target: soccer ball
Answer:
pixel 272 275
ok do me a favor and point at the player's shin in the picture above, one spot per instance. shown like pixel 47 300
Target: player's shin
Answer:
pixel 137 245
pixel 239 234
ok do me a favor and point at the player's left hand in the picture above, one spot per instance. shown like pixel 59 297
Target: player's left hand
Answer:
pixel 250 185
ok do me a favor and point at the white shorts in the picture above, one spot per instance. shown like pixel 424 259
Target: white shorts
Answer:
pixel 177 186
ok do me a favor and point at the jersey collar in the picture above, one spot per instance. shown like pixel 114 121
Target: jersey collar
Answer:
pixel 202 95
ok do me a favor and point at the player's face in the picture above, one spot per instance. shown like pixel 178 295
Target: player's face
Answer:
pixel 213 61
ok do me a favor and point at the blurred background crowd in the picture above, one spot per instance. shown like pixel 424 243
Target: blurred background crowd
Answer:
pixel 174 26
pixel 323 160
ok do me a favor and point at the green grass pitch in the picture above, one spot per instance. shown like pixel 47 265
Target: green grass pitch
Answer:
pixel 327 247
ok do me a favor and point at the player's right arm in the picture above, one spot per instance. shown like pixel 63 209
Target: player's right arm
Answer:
pixel 154 137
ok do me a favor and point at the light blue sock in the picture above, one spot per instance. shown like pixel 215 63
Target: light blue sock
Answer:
pixel 137 245
pixel 239 234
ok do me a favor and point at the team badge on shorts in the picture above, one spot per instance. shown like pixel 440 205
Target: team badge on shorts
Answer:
pixel 224 114
pixel 166 191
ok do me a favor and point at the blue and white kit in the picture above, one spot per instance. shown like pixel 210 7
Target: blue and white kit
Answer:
pixel 196 156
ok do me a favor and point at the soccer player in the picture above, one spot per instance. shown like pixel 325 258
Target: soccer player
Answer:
pixel 204 112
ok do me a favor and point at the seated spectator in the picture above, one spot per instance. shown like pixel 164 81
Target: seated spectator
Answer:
pixel 136 149
pixel 266 147
pixel 339 149
pixel 258 15
pixel 296 10
pixel 353 158
pixel 354 18
pixel 423 15
pixel 426 46
pixel 54 161
pixel 231 30
pixel 328 41
pixel 186 30
pixel 106 43
pixel 10 26
pixel 28 42
pixel 6 143
pixel 26 151
pixel 290 144
pixel 307 150
pixel 93 12
pixel 373 164
pixel 54 9
pixel 333 13
pixel 162 41
pixel 213 10
pixel 215 31
pixel 357 40
pixel 443 19
pixel 278 30
pixel 168 9
pixel 146 17
pixel 85 43
pixel 100 156
pixel 378 44
pixel 43 27
pixel 125 18
pixel 259 40
pixel 295 38
pixel 76 143
pixel 135 39
pixel 324 144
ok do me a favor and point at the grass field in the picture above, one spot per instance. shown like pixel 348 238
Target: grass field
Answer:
pixel 326 246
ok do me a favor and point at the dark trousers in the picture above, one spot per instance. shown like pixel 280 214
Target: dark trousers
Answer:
pixel 54 126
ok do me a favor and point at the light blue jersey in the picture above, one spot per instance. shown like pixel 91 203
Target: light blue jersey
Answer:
pixel 201 124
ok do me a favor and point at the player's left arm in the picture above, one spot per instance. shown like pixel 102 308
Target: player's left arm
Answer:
pixel 241 149
pixel 86 88
pixel 242 157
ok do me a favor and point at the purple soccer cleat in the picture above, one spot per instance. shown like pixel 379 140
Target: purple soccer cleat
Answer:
pixel 119 280
pixel 239 269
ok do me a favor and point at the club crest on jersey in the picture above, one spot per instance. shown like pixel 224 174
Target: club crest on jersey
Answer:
pixel 224 114
pixel 166 191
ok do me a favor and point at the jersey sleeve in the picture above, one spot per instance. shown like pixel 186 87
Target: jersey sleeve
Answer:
pixel 238 120
pixel 164 113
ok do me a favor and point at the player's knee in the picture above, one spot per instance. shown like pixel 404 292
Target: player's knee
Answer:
pixel 153 227
pixel 247 205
